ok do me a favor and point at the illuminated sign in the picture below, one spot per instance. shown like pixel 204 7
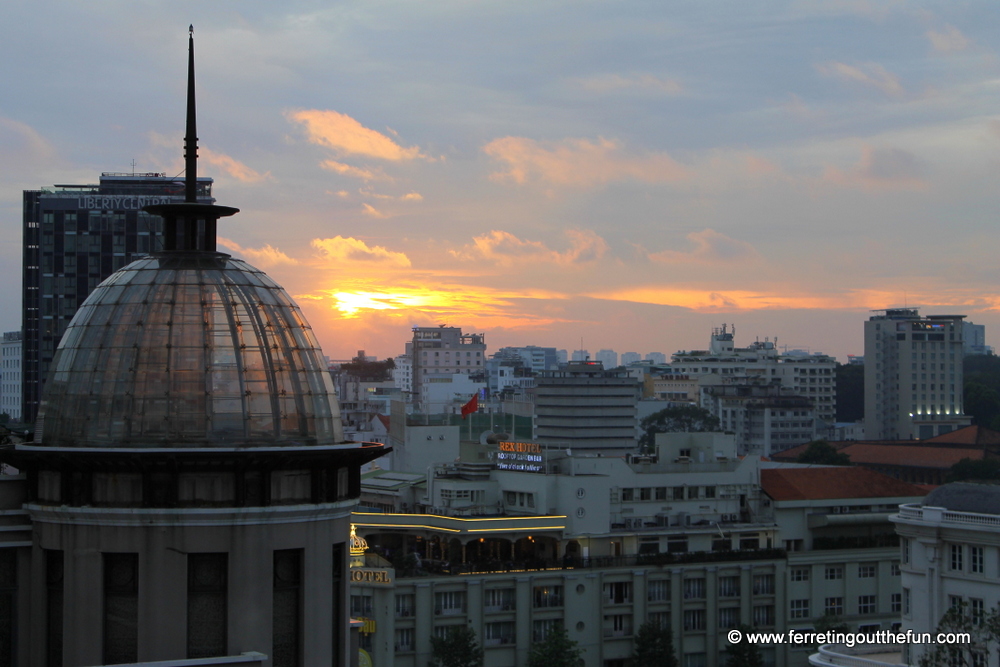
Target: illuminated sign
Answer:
pixel 366 576
pixel 519 456
pixel 118 202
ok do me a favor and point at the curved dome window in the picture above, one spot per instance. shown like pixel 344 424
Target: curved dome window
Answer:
pixel 188 350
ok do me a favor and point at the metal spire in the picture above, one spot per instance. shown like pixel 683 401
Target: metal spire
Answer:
pixel 191 134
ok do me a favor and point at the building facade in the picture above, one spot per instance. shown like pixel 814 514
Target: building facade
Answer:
pixel 10 375
pixel 441 352
pixel 75 236
pixel 811 376
pixel 913 375
pixel 583 406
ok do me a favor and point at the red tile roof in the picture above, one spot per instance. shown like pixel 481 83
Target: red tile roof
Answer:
pixel 833 482
pixel 385 420
pixel 970 435
pixel 911 456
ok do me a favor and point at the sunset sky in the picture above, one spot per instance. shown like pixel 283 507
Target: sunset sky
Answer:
pixel 626 173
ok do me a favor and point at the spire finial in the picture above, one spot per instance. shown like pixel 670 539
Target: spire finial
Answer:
pixel 191 135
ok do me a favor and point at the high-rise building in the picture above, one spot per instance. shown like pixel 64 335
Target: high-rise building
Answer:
pixel 536 358
pixel 608 358
pixel 808 375
pixel 974 339
pixel 75 236
pixel 630 358
pixel 913 375
pixel 442 352
pixel 656 357
pixel 585 407
pixel 581 355
pixel 10 375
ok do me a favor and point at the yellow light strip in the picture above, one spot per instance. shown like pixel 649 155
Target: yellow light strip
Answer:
pixel 409 525
pixel 458 518
pixel 511 530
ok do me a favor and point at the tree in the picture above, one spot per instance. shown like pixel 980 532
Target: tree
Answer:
pixel 458 648
pixel 654 646
pixel 684 418
pixel 821 451
pixel 983 403
pixel 366 370
pixel 831 623
pixel 984 631
pixel 743 653
pixel 969 469
pixel 556 650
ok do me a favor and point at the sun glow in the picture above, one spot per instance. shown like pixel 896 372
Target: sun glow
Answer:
pixel 350 304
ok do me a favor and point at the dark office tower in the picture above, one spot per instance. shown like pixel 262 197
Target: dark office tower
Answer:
pixel 74 237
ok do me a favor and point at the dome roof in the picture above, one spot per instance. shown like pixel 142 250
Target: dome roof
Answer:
pixel 188 349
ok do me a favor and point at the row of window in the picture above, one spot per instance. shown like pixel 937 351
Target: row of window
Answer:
pixel 666 492
pixel 836 572
pixel 834 606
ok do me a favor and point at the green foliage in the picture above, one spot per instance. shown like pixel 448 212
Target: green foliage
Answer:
pixel 985 632
pixel 4 418
pixel 982 469
pixel 821 451
pixel 556 650
pixel 369 371
pixel 744 654
pixel 685 418
pixel 850 392
pixel 832 623
pixel 654 647
pixel 983 403
pixel 459 648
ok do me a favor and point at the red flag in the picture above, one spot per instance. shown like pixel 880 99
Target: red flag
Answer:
pixel 471 407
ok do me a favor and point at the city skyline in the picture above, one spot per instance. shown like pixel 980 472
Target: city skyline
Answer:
pixel 632 174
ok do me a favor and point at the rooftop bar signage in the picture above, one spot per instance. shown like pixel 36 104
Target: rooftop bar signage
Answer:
pixel 519 456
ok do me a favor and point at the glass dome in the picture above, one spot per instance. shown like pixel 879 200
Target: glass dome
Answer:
pixel 188 350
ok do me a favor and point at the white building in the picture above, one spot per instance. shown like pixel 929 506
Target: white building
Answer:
pixel 950 556
pixel 974 339
pixel 581 355
pixel 630 358
pixel 809 375
pixel 766 419
pixel 609 358
pixel 656 358
pixel 402 374
pixel 913 375
pixel 442 352
pixel 10 375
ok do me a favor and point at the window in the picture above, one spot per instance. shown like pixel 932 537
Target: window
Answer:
pixel 906 602
pixel 869 629
pixel 976 611
pixel 866 571
pixel 976 560
pixel 618 592
pixel 618 625
pixel 694 619
pixel 206 605
pixel 800 574
pixel 729 587
pixel 866 604
pixel 658 591
pixel 541 629
pixel 694 589
pixel 626 495
pixel 833 572
pixel 362 605
pixel 957 552
pixel 763 584
pixel 799 609
pixel 121 608
pixel 834 606
pixel 404 640
pixel 894 570
pixel 404 605
pixel 896 604
pixel 904 547
pixel 729 617
pixel 447 603
pixel 547 596
pixel 53 597
pixel 659 619
pixel 763 616
pixel 499 599
pixel 287 608
pixel 498 633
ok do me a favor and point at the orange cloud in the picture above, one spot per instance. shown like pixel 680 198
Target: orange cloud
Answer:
pixel 266 256
pixel 710 246
pixel 868 74
pixel 231 166
pixel 347 136
pixel 368 209
pixel 578 162
pixel 355 172
pixel 881 169
pixel 504 248
pixel 347 249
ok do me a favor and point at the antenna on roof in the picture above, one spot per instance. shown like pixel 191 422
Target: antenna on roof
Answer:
pixel 191 131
